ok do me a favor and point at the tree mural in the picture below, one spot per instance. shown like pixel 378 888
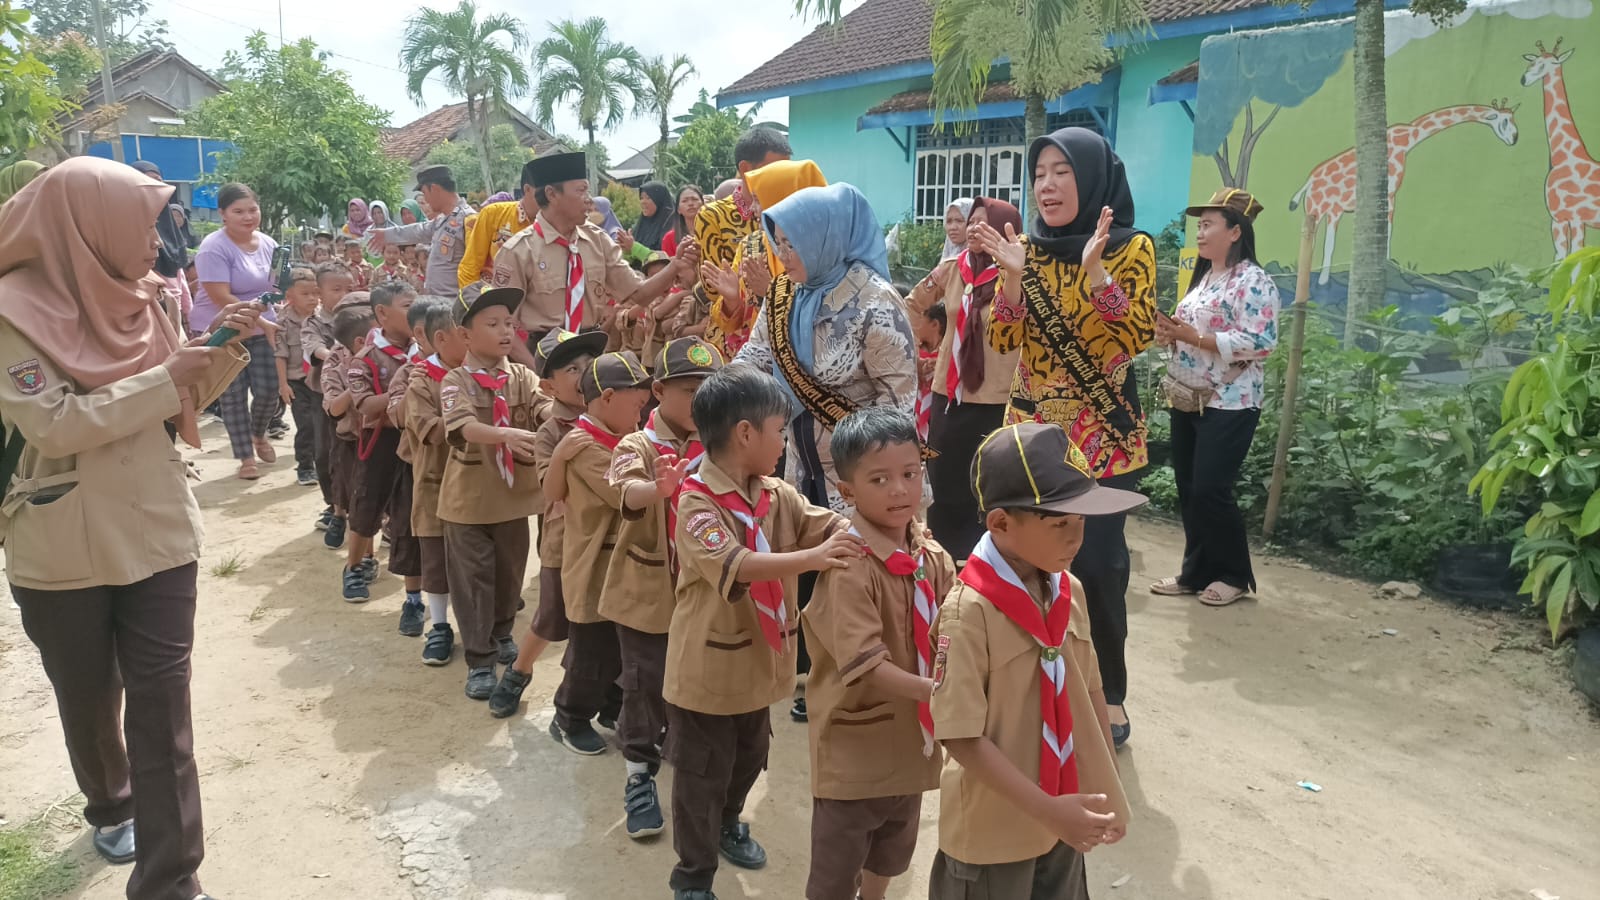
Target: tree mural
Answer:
pixel 1276 67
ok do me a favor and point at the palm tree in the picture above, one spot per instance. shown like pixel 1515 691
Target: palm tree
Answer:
pixel 472 57
pixel 580 64
pixel 659 85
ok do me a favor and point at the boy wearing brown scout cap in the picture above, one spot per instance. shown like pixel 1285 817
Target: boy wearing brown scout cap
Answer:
pixel 1009 694
pixel 743 539
pixel 489 489
pixel 560 358
pixel 349 328
pixel 647 468
pixel 871 733
pixel 615 387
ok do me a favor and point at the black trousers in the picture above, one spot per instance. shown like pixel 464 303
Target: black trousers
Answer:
pixel 1207 453
pixel 307 410
pixel 955 431
pixel 715 761
pixel 118 659
pixel 1103 565
pixel 593 663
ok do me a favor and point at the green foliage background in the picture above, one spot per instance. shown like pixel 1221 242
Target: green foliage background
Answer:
pixel 506 157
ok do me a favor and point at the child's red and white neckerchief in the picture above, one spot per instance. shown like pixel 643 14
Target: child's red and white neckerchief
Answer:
pixel 695 453
pixel 495 384
pixel 925 603
pixel 969 280
pixel 601 436
pixel 768 595
pixel 575 285
pixel 382 345
pixel 414 353
pixel 990 575
pixel 434 366
pixel 925 400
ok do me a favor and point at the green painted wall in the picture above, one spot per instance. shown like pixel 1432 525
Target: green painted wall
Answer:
pixel 822 127
pixel 1468 201
pixel 1154 141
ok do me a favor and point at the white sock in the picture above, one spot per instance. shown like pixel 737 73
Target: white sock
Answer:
pixel 637 768
pixel 438 608
pixel 107 829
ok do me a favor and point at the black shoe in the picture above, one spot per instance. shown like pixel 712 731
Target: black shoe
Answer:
pixel 693 895
pixel 412 614
pixel 324 518
pixel 355 587
pixel 585 742
pixel 480 682
pixel 507 694
pixel 643 807
pixel 369 569
pixel 334 539
pixel 607 719
pixel 797 712
pixel 306 478
pixel 508 651
pixel 436 650
pixel 1120 733
pixel 739 848
pixel 116 845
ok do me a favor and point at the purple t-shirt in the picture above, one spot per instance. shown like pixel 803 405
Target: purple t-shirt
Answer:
pixel 249 275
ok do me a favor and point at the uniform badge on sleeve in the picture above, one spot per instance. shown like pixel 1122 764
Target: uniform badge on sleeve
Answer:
pixel 706 527
pixel 28 376
pixel 620 464
pixel 448 396
pixel 940 659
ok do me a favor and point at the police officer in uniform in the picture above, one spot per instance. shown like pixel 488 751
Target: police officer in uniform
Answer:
pixel 446 235
pixel 570 271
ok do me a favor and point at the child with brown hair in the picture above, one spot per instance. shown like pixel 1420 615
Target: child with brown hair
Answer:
pixel 350 327
pixel 299 305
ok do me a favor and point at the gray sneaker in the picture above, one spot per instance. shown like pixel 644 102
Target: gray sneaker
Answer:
pixel 436 648
pixel 643 807
pixel 480 682
pixel 508 651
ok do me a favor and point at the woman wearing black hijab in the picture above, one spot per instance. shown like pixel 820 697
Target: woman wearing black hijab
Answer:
pixel 173 256
pixel 1077 297
pixel 655 214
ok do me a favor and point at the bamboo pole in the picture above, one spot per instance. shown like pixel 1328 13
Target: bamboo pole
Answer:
pixel 1291 378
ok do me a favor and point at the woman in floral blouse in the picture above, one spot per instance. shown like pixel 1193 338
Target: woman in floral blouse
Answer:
pixel 1219 336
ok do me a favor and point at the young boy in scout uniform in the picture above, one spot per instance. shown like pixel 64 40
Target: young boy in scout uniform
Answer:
pixel 872 748
pixel 1009 695
pixel 640 579
pixel 560 359
pixel 350 327
pixel 414 612
pixel 379 471
pixel 743 538
pixel 316 342
pixel 489 489
pixel 615 388
pixel 299 304
pixel 429 452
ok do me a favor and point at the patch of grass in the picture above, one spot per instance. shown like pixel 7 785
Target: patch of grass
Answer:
pixel 28 871
pixel 233 762
pixel 228 567
pixel 259 613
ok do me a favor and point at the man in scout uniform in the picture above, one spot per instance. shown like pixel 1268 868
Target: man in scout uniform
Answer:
pixel 640 579
pixel 569 268
pixel 743 539
pixel 446 235
pixel 489 489
pixel 1009 693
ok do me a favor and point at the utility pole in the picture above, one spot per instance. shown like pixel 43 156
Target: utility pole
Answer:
pixel 106 87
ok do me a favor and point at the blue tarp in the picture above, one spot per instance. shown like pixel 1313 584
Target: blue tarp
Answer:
pixel 181 159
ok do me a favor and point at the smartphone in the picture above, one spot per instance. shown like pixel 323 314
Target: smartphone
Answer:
pixel 281 282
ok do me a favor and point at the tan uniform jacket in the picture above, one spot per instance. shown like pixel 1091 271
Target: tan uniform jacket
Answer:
pixel 865 744
pixel 316 333
pixel 997 367
pixel 335 384
pixel 559 418
pixel 988 673
pixel 538 265
pixel 718 663
pixel 594 507
pixel 101 494
pixel 360 375
pixel 425 433
pixel 638 591
pixel 286 346
pixel 473 492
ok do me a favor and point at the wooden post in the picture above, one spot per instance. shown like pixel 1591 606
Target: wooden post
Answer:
pixel 1291 378
pixel 107 89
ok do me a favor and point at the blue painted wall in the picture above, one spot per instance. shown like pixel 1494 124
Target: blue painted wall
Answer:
pixel 822 127
pixel 1156 143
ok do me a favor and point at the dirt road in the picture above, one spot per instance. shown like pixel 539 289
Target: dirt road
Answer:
pixel 1454 765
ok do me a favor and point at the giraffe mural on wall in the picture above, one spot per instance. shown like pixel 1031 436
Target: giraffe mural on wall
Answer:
pixel 1572 189
pixel 1330 190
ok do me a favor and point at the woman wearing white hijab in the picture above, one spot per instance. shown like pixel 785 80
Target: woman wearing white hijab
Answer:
pixel 955 227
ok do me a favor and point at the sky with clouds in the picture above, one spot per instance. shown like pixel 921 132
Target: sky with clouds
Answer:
pixel 725 41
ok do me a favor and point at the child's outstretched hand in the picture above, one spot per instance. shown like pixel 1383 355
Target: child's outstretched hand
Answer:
pixel 670 473
pixel 520 442
pixel 1082 820
pixel 837 551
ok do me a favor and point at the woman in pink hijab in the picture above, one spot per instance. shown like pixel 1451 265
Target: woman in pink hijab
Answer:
pixel 357 218
pixel 100 529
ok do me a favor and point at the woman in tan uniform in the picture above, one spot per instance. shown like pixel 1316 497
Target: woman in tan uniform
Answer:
pixel 101 532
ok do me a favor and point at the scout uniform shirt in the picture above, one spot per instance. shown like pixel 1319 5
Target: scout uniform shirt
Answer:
pixel 593 514
pixel 425 434
pixel 986 684
pixel 395 409
pixel 997 366
pixel 718 662
pixel 335 384
pixel 316 333
pixel 473 491
pixel 533 261
pixel 495 225
pixel 866 744
pixel 639 581
pixel 101 495
pixel 286 346
pixel 447 237
pixel 369 375
pixel 559 419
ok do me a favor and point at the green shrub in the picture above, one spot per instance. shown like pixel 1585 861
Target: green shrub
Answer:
pixel 918 249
